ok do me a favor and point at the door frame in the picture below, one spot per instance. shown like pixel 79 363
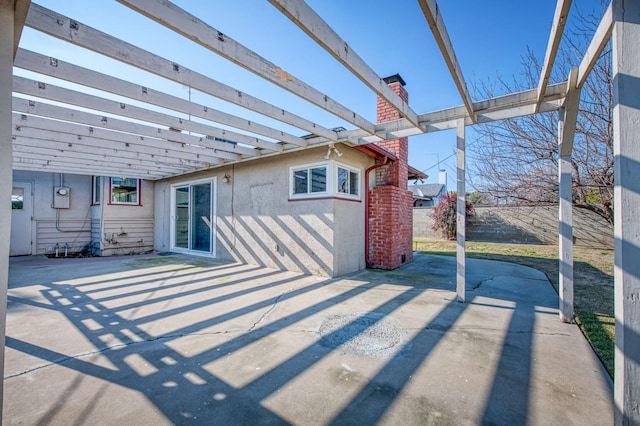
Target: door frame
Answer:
pixel 172 218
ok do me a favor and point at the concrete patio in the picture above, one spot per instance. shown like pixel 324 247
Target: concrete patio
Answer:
pixel 183 340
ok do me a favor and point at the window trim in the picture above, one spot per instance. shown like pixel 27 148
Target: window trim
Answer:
pixel 332 182
pixel 116 203
pixel 214 217
pixel 351 170
pixel 96 196
pixel 308 167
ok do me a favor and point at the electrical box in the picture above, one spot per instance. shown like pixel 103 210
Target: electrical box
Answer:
pixel 61 197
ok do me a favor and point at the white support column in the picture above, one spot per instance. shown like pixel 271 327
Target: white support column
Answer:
pixel 461 277
pixel 626 150
pixel 567 120
pixel 6 164
pixel 565 230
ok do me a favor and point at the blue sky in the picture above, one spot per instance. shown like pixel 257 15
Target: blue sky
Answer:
pixel 489 38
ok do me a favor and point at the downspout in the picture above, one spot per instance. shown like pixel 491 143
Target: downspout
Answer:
pixel 366 208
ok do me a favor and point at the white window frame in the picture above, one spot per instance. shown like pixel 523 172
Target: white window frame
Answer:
pixel 124 203
pixel 96 190
pixel 292 181
pixel 352 170
pixel 332 181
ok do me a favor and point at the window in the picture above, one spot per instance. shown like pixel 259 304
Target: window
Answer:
pixel 325 180
pixel 95 190
pixel 310 180
pixel 17 198
pixel 347 181
pixel 125 191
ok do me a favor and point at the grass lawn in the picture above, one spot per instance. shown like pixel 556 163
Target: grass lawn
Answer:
pixel 593 282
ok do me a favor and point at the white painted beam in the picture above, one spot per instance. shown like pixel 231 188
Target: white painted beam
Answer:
pixel 571 107
pixel 626 228
pixel 59 94
pixel 128 149
pixel 498 108
pixel 436 23
pixel 22 123
pixel 56 25
pixel 598 42
pixel 315 27
pixel 19 17
pixel 74 116
pixel 555 36
pixel 41 64
pixel 26 144
pixel 45 163
pixel 7 20
pixel 74 159
pixel 182 22
pixel 461 214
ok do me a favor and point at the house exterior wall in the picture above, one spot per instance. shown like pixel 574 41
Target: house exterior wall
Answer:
pixel 102 229
pixel 51 227
pixel 257 223
pixel 124 229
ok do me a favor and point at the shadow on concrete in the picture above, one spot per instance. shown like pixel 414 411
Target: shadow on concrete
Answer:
pixel 138 318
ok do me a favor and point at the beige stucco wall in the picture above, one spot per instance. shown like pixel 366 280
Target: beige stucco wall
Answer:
pixel 256 223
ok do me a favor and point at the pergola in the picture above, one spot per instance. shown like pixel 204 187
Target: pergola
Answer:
pixel 143 142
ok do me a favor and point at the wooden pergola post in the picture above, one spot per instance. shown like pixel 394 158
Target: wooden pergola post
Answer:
pixel 7 14
pixel 567 119
pixel 461 235
pixel 626 150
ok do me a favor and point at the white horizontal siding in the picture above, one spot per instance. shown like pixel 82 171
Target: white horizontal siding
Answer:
pixel 47 236
pixel 126 236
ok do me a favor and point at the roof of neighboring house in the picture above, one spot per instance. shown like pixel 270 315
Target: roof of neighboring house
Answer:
pixel 426 191
pixel 416 174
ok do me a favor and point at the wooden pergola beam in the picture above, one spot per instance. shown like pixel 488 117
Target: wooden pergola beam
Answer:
pixel 80 156
pixel 182 22
pixel 571 107
pixel 45 163
pixel 45 65
pixel 121 150
pixel 431 12
pixel 555 36
pixel 19 18
pixel 64 28
pixel 55 93
pixel 598 42
pixel 498 108
pixel 115 139
pixel 74 116
pixel 315 27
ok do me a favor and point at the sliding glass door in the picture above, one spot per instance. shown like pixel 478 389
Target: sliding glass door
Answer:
pixel 193 217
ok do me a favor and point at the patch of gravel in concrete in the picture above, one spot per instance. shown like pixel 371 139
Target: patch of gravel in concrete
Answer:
pixel 368 334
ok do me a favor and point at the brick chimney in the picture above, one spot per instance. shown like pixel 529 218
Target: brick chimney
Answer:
pixel 390 202
pixel 396 173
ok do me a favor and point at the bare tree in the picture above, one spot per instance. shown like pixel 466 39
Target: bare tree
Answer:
pixel 516 160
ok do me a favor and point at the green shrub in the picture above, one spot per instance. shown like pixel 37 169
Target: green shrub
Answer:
pixel 444 215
